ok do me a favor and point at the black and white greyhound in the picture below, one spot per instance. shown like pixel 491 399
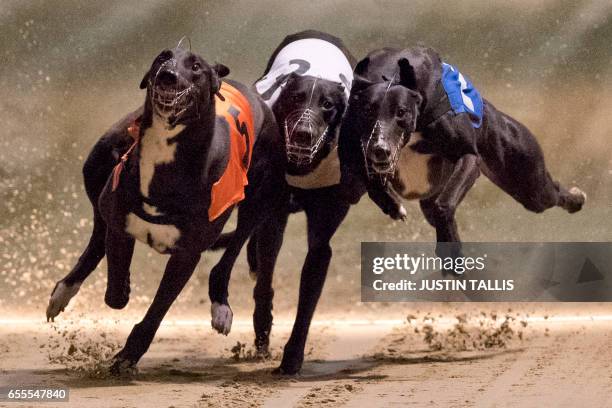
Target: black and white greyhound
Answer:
pixel 306 83
pixel 417 128
pixel 195 133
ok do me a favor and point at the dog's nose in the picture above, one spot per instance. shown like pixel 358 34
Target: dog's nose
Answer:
pixel 381 152
pixel 167 78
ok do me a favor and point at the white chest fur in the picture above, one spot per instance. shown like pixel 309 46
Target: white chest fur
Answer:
pixel 413 170
pixel 160 237
pixel 326 174
pixel 154 150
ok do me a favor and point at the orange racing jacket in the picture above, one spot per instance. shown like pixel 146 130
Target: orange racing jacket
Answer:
pixel 229 189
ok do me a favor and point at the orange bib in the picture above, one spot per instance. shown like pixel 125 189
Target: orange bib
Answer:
pixel 229 189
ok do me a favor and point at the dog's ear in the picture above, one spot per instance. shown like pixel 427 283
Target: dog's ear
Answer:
pixel 360 83
pixel 419 99
pixel 407 75
pixel 221 70
pixel 218 71
pixel 145 80
pixel 292 76
pixel 362 66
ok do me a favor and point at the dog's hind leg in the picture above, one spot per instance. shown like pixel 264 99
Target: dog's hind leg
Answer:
pixel 531 184
pixel 251 213
pixel 324 216
pixel 268 242
pixel 542 192
pixel 119 251
pixel 252 256
pixel 218 282
pixel 179 269
pixel 514 161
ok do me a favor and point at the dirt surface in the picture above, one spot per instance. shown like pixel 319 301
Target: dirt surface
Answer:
pixel 543 360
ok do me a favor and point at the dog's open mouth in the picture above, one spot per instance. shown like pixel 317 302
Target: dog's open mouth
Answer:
pixel 383 167
pixel 172 103
pixel 303 138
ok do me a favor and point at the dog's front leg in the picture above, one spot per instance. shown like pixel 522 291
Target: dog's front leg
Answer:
pixel 324 215
pixel 268 242
pixel 119 251
pixel 387 200
pixel 179 269
pixel 440 210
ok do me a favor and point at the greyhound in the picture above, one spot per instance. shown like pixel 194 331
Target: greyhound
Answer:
pixel 417 128
pixel 306 83
pixel 201 146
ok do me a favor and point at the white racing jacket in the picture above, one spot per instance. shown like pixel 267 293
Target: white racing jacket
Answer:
pixel 311 56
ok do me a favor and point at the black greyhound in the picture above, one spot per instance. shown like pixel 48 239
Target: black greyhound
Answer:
pixel 186 170
pixel 416 127
pixel 307 84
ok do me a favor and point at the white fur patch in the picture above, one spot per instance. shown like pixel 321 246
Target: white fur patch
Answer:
pixel 413 169
pixel 161 237
pixel 60 298
pixel 222 317
pixel 326 174
pixel 151 209
pixel 577 191
pixel 154 150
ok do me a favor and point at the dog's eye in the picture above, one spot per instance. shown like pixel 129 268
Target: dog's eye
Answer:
pixel 196 67
pixel 402 112
pixel 327 105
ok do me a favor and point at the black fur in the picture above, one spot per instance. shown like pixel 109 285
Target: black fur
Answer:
pixel 394 85
pixel 180 189
pixel 325 210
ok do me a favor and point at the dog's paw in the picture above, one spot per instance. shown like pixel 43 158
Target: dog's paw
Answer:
pixel 118 297
pixel 397 213
pixel 60 297
pixel 578 199
pixel 221 318
pixel 402 213
pixel 122 367
pixel 280 372
pixel 262 347
pixel 286 371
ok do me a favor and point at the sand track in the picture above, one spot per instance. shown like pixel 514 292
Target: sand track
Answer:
pixel 558 363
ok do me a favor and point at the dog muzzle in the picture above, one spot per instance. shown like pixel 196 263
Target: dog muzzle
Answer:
pixel 301 135
pixel 171 102
pixel 383 169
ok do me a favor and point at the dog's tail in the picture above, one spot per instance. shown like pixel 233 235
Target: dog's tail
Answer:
pixel 223 241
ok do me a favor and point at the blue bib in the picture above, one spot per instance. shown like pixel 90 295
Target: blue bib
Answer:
pixel 462 95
